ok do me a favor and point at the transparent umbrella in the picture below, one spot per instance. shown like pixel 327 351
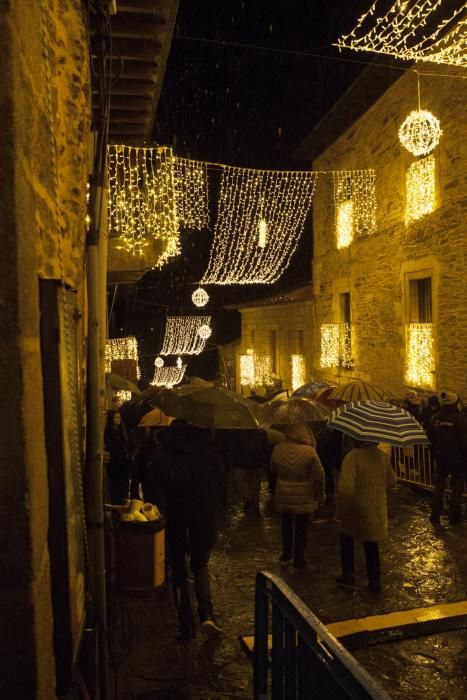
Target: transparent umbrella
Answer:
pixel 210 407
pixel 292 410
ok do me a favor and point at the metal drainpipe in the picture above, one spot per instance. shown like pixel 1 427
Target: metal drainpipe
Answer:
pixel 94 456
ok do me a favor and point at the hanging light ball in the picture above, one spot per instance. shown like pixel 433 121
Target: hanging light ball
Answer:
pixel 200 297
pixel 204 331
pixel 420 132
pixel 159 362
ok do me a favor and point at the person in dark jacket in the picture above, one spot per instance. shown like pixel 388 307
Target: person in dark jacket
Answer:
pixel 432 407
pixel 448 436
pixel 189 475
pixel 251 456
pixel 330 452
pixel 118 463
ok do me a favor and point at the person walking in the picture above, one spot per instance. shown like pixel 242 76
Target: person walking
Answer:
pixel 251 455
pixel 116 458
pixel 431 409
pixel 189 474
pixel 299 488
pixel 361 509
pixel 447 432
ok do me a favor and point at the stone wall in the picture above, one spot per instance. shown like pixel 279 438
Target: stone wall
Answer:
pixel 286 319
pixel 375 268
pixel 45 116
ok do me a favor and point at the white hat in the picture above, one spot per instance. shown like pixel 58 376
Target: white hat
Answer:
pixel 446 398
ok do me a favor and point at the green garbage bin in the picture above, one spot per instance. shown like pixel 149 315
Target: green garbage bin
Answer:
pixel 140 556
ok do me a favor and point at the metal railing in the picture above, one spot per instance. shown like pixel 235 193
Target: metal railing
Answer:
pixel 416 465
pixel 307 661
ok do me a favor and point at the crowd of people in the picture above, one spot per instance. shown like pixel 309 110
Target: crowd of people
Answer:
pixel 183 469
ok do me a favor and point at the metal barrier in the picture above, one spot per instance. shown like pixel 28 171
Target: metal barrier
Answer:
pixel 416 466
pixel 307 661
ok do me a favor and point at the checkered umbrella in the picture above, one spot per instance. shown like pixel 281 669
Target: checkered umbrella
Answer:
pixel 378 421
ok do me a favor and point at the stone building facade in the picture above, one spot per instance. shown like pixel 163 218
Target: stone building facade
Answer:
pixel 277 329
pixel 402 273
pixel 45 107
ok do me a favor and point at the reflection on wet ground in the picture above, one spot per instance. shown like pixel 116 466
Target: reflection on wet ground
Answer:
pixel 422 565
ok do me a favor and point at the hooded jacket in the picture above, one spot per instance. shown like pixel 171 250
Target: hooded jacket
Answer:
pixel 300 475
pixel 361 503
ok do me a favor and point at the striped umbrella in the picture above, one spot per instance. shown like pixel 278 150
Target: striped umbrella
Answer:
pixel 378 421
pixel 359 390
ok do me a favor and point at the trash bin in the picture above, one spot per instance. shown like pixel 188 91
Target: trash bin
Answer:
pixel 140 556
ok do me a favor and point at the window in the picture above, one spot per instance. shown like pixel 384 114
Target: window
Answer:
pixel 419 343
pixel 345 307
pixel 420 305
pixel 345 340
pixel 273 350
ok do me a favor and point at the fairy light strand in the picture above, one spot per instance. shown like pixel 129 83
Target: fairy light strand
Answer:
pixel 354 204
pixel 420 360
pixel 168 376
pixel 330 345
pixel 142 199
pixel 402 33
pixel 298 374
pixel 278 201
pixel 182 335
pixel 420 189
pixel 121 349
pixel 191 193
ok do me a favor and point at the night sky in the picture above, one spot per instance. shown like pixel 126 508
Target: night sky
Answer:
pixel 246 81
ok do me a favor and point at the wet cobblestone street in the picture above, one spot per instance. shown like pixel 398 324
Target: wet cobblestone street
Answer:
pixel 422 565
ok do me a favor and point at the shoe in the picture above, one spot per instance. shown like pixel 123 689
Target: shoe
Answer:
pixel 346 580
pixel 374 586
pixel 435 519
pixel 300 563
pixel 211 629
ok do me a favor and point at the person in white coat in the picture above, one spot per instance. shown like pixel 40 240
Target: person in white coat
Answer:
pixel 299 488
pixel 361 509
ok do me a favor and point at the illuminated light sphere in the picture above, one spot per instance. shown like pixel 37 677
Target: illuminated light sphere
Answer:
pixel 204 331
pixel 179 362
pixel 200 297
pixel 159 362
pixel 420 132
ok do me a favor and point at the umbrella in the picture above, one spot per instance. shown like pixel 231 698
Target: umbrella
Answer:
pixel 309 390
pixel 154 418
pixel 359 390
pixel 292 410
pixel 211 407
pixel 378 421
pixel 323 396
pixel 122 383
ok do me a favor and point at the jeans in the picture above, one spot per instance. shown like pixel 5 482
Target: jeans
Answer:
pixel 371 557
pixel 184 544
pixel 294 528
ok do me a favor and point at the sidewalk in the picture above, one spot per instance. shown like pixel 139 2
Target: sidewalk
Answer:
pixel 422 565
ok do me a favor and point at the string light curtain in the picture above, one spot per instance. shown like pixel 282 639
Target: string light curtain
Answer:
pixel 354 204
pixel 121 349
pixel 420 198
pixel 298 371
pixel 420 359
pixel 330 345
pixel 191 193
pixel 403 32
pixel 247 369
pixel 182 335
pixel 260 220
pixel 168 376
pixel 142 198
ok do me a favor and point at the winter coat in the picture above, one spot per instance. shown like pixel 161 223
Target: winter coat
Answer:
pixel 189 475
pixel 119 466
pixel 448 436
pixel 300 475
pixel 361 504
